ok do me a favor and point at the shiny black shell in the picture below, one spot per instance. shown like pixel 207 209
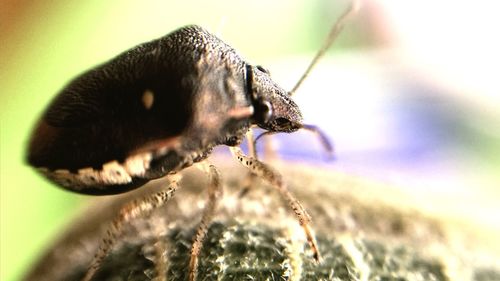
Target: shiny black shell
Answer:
pixel 151 111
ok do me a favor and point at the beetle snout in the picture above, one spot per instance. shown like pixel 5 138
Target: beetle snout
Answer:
pixel 281 124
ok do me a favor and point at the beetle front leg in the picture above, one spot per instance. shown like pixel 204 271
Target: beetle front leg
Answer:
pixel 129 212
pixel 275 179
pixel 214 195
pixel 269 153
pixel 250 178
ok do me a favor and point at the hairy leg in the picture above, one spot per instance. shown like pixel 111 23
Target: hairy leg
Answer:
pixel 275 179
pixel 130 211
pixel 214 195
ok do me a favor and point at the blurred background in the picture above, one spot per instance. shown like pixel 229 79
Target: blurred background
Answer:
pixel 409 94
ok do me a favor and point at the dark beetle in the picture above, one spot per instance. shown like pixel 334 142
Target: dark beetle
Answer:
pixel 155 110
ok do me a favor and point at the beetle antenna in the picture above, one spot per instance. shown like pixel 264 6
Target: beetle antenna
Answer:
pixel 323 138
pixel 260 136
pixel 334 32
pixel 325 141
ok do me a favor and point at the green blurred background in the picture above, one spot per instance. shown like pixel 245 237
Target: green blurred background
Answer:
pixel 44 44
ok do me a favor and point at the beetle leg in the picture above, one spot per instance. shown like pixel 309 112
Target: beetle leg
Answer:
pixel 269 149
pixel 252 149
pixel 276 180
pixel 250 179
pixel 160 248
pixel 129 212
pixel 214 194
pixel 269 153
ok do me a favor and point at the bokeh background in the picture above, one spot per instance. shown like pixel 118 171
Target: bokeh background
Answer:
pixel 409 94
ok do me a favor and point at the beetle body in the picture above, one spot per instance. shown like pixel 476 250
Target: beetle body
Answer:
pixel 154 110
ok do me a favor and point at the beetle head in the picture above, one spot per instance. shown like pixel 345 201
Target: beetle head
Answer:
pixel 274 110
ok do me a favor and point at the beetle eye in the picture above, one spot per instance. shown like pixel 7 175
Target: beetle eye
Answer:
pixel 261 68
pixel 281 121
pixel 263 111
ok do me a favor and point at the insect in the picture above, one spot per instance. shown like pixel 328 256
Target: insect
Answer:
pixel 153 111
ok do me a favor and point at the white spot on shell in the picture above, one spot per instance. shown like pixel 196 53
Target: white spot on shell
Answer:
pixel 148 99
pixel 63 177
pixel 114 173
pixel 137 165
pixel 88 176
pixel 111 173
pixel 61 172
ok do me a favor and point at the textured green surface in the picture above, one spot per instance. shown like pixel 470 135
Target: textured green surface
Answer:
pixel 256 238
pixel 257 252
